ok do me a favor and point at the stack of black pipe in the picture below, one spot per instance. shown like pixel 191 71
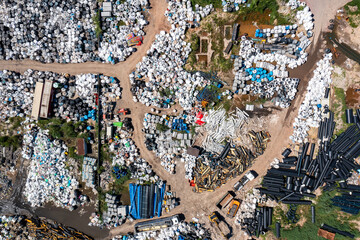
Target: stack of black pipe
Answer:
pixel 298 176
pixel 349 201
pixel 258 224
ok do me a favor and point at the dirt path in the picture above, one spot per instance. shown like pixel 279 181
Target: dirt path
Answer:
pixel 193 204
pixel 323 11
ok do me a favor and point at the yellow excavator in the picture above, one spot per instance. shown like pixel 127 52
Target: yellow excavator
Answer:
pixel 221 225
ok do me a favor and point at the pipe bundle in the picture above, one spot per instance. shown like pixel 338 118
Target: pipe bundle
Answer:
pixel 298 176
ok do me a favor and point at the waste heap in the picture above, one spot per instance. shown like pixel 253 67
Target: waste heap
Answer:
pixel 48 179
pixel 116 214
pixel 212 171
pixel 168 136
pixel 259 223
pixel 163 65
pixel 170 201
pixel 182 230
pixel 51 31
pixel 218 128
pixel 22 227
pixel 297 177
pixel 282 50
pixel 232 5
pixel 16 94
pixel 123 30
pixel 311 109
pixel 88 171
pixel 127 155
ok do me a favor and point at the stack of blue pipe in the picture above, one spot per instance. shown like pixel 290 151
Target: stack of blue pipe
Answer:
pixel 259 74
pixel 146 200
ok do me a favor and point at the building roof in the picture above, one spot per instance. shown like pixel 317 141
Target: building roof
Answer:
pixel 193 151
pixel 81 146
pixel 37 100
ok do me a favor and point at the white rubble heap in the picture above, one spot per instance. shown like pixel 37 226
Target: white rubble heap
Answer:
pixel 172 233
pixel 16 94
pixel 166 144
pixel 163 65
pixel 220 127
pixel 127 154
pixel 231 5
pixel 48 179
pixel 310 110
pixel 88 171
pixel 294 4
pixel 251 54
pixel 127 18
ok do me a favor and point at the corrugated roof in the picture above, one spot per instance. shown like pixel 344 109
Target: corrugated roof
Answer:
pixel 37 100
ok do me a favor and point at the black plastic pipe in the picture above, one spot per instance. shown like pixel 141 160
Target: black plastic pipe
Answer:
pixel 335 230
pixel 313 214
pixel 278 227
pixel 300 202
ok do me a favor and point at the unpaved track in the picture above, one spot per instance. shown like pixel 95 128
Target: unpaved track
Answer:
pixel 323 11
pixel 280 127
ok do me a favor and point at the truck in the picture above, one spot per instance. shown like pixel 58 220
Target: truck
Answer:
pixel 225 200
pixel 220 224
pixel 234 207
pixel 157 224
pixel 249 176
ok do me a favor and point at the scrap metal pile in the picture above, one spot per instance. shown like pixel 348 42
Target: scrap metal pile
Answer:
pixel 164 71
pixel 212 170
pixel 298 176
pixel 284 51
pixel 22 227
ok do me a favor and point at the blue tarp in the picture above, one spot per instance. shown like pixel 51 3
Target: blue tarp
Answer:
pixel 136 195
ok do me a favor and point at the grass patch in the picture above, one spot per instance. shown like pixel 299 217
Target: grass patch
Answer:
pixel 16 122
pixel 353 15
pixel 97 22
pixel 8 141
pixel 203 3
pixel 325 213
pixel 339 107
pixel 204 46
pixel 161 127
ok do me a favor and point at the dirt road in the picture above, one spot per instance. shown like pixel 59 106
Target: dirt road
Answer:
pixel 279 122
pixel 323 11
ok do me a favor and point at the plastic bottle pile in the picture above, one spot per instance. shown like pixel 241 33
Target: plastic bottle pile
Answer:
pixel 127 154
pixel 163 65
pixel 48 31
pixel 310 110
pixel 179 231
pixel 127 21
pixel 291 56
pixel 48 178
pixel 16 94
pixel 115 214
pixel 219 127
pixel 166 144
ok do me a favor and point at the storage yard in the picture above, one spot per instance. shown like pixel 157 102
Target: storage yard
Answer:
pixel 179 119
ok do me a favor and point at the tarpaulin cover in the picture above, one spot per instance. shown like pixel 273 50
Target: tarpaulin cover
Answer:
pixel 136 198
